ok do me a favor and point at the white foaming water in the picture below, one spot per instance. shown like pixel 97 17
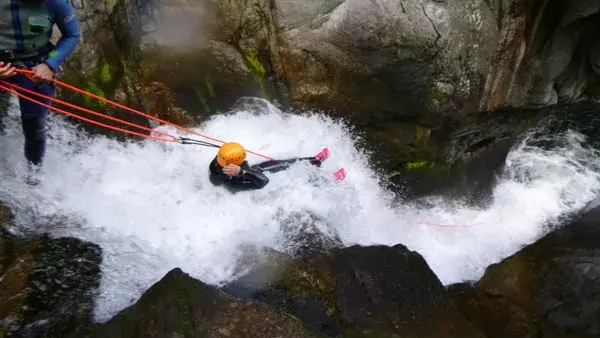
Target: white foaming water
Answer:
pixel 151 207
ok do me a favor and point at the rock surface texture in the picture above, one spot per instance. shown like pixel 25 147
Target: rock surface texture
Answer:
pixel 406 74
pixel 180 306
pixel 373 291
pixel 398 69
pixel 548 289
pixel 47 285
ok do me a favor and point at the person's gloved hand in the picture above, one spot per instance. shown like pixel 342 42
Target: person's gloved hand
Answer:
pixel 42 73
pixel 7 70
pixel 232 170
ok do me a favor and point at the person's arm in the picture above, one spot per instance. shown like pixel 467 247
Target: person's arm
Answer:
pixel 253 177
pixel 247 179
pixel 216 177
pixel 63 15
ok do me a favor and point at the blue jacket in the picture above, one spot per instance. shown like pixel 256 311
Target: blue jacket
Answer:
pixel 63 15
pixel 26 26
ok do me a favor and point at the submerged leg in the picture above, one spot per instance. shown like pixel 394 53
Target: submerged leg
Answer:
pixel 33 121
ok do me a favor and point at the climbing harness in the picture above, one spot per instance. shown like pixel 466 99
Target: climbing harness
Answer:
pixel 166 137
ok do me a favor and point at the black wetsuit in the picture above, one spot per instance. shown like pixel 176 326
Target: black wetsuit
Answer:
pixel 252 177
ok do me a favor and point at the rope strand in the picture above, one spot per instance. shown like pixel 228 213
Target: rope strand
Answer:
pixel 172 138
pixel 84 109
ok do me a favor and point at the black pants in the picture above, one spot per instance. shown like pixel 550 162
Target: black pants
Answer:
pixel 33 116
pixel 273 166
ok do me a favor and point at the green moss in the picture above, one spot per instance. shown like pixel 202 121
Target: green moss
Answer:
pixel 258 72
pixel 255 66
pixel 125 68
pixel 104 73
pixel 301 280
pixel 289 315
pixel 416 165
pixel 422 135
pixel 209 86
pixel 435 94
pixel 91 87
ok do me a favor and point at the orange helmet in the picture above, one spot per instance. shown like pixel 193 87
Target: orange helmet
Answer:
pixel 231 153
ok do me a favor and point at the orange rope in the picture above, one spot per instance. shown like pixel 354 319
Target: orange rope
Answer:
pixel 24 71
pixel 83 118
pixel 173 138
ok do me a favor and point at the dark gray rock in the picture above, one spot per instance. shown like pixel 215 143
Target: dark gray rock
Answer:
pixel 554 280
pixel 180 306
pixel 48 287
pixel 358 292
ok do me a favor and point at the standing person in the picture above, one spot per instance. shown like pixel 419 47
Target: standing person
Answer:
pixel 25 33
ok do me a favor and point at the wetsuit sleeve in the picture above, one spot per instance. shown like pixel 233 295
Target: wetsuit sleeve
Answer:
pixel 251 178
pixel 248 179
pixel 63 15
pixel 216 176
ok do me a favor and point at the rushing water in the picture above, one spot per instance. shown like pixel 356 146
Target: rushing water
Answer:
pixel 151 207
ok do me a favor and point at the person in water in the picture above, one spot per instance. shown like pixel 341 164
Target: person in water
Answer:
pixel 230 168
pixel 25 32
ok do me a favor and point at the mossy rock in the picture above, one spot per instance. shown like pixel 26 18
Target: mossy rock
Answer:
pixel 180 306
pixel 497 317
pixel 209 79
pixel 6 239
pixel 554 280
pixel 357 292
pixel 49 287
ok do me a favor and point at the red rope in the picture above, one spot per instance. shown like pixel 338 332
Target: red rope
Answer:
pixel 29 72
pixel 82 118
pixel 172 138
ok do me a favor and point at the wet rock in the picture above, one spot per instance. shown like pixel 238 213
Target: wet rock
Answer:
pixel 180 306
pixel 198 56
pixel 497 317
pixel 342 56
pixel 555 280
pixel 545 56
pixel 358 292
pixel 48 287
pixel 407 74
pixel 265 282
pixel 6 239
pixel 476 152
